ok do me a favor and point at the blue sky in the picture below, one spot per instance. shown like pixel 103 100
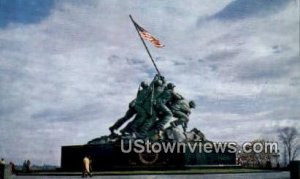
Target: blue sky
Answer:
pixel 24 12
pixel 68 69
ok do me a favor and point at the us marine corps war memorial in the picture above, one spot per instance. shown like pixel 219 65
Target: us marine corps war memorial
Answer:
pixel 155 134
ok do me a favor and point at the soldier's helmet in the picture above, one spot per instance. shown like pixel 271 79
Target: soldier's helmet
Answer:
pixel 158 83
pixel 170 86
pixel 192 104
pixel 144 84
pixel 162 78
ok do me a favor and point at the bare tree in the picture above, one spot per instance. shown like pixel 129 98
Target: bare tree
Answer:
pixel 289 137
pixel 258 160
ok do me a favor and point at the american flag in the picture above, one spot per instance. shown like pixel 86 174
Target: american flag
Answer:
pixel 147 36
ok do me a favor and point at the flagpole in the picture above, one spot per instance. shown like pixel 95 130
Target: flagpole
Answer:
pixel 145 45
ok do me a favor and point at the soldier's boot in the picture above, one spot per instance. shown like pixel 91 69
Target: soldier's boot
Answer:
pixel 159 134
pixel 116 125
pixel 112 130
pixel 130 113
pixel 156 135
pixel 125 131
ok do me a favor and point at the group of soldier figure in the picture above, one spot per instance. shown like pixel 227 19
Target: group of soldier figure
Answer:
pixel 154 106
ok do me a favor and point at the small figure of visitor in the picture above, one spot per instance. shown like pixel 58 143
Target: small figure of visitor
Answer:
pixel 28 166
pixel 86 167
pixel 2 166
pixel 12 167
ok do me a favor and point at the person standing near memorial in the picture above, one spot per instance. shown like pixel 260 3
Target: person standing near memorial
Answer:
pixel 86 167
pixel 2 166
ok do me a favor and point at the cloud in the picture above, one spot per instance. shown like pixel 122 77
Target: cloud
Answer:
pixel 241 9
pixel 67 77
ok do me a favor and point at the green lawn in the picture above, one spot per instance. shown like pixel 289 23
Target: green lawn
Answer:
pixel 187 171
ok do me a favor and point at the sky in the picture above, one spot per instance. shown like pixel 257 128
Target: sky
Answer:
pixel 68 69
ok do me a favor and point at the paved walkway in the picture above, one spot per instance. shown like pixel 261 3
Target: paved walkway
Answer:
pixel 269 175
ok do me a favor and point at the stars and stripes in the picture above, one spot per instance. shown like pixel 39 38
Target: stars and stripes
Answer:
pixel 147 36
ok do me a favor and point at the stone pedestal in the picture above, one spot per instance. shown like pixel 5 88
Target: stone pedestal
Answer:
pixel 106 157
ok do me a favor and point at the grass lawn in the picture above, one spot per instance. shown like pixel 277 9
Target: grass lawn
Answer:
pixel 187 171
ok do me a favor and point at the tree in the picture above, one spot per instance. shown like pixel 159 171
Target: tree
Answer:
pixel 289 138
pixel 260 159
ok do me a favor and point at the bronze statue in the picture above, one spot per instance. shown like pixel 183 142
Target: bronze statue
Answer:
pixel 181 109
pixel 154 106
pixel 133 108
